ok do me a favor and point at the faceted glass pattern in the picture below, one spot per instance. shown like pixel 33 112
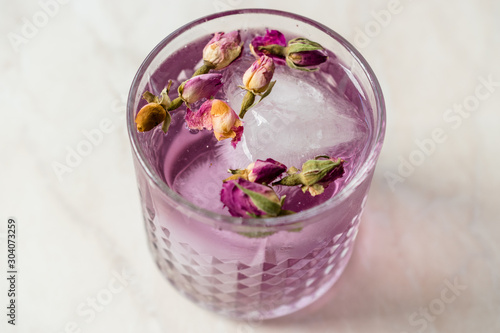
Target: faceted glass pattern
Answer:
pixel 246 289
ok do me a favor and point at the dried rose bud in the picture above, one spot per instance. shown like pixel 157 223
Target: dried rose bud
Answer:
pixel 222 49
pixel 316 174
pixel 216 115
pixel 259 75
pixel 257 81
pixel 156 111
pixel 336 171
pixel 149 116
pixel 199 87
pixel 271 44
pixel 247 199
pixel 309 58
pixel 265 171
pixel 225 122
pixel 303 54
pixel 299 53
pixel 262 172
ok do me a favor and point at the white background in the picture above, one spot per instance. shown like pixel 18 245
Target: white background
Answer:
pixel 438 224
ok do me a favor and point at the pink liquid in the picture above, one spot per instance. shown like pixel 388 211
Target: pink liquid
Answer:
pixel 237 275
pixel 189 160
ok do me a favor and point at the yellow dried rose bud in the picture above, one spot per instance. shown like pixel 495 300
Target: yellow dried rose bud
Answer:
pixel 149 116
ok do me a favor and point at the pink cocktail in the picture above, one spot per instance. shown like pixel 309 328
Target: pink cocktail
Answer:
pixel 249 267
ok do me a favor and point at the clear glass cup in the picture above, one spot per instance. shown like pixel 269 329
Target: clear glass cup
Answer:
pixel 291 260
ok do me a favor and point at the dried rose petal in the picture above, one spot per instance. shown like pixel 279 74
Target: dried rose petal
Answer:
pixel 272 37
pixel 238 133
pixel 200 119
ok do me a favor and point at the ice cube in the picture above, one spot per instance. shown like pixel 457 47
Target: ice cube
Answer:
pixel 300 119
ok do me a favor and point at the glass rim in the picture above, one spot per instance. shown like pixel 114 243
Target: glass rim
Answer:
pixel 262 224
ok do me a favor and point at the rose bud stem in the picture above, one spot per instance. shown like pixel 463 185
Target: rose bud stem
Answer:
pixel 176 103
pixel 247 103
pixel 274 49
pixel 204 69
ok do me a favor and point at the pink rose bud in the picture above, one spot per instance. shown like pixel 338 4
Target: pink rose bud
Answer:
pixel 308 58
pixel 222 49
pixel 199 87
pixel 303 54
pixel 259 75
pixel 257 81
pixel 275 42
pixel 262 172
pixel 265 171
pixel 216 115
pixel 247 199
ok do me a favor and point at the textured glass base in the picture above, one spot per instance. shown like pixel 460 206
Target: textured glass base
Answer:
pixel 261 290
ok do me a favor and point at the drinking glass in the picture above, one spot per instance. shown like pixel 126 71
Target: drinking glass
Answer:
pixel 253 268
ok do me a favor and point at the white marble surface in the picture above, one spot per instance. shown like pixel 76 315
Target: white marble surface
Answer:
pixel 437 225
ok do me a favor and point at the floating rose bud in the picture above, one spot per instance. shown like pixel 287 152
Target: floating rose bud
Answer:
pixel 216 115
pixel 299 53
pixel 257 81
pixel 221 50
pixel 199 87
pixel 319 173
pixel 225 122
pixel 274 41
pixel 336 170
pixel 247 199
pixel 262 172
pixel 149 116
pixel 156 111
pixel 316 174
pixel 303 54
pixel 265 171
pixel 259 75
pixel 310 58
